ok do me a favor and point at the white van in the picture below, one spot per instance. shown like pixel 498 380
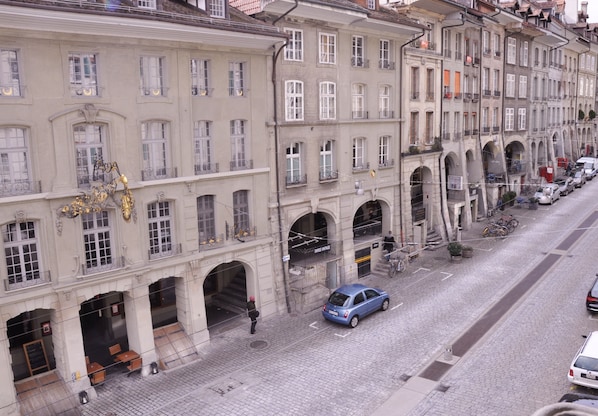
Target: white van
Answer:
pixel 589 164
pixel 584 367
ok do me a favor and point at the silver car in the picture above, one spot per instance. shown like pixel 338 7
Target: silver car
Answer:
pixel 547 194
pixel 579 178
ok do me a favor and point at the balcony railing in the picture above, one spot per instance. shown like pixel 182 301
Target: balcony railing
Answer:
pixel 475 132
pixel 414 95
pixel 30 279
pixel 447 53
pixel 467 96
pixel 446 136
pixel 205 168
pixel 495 129
pixel 448 95
pixel 164 250
pixel 476 96
pixel 361 167
pixel 467 132
pixel 485 129
pixel 201 91
pixel 19 188
pixel 430 96
pixel 388 163
pixel 360 62
pixel 386 114
pixel 384 64
pixel 496 93
pixel 296 180
pixel 150 174
pixel 328 175
pixel 457 136
pixel 241 164
pixel 486 92
pixel 359 114
pixel 458 96
pixel 104 265
pixel 215 241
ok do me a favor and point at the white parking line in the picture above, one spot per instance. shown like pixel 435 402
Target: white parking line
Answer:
pixel 313 325
pixel 343 336
pixel 421 268
pixel 399 305
pixel 447 275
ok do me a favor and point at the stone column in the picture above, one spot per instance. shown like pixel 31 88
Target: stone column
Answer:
pixel 139 324
pixel 8 394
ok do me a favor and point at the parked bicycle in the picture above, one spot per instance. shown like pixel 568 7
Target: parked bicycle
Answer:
pixel 396 265
pixel 508 221
pixel 494 229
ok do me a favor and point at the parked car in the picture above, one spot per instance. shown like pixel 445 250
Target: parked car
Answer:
pixel 579 178
pixel 547 194
pixel 566 185
pixel 592 297
pixel 350 303
pixel 584 367
pixel 589 164
pixel 581 399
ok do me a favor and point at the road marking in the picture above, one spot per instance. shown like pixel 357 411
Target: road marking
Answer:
pixel 343 336
pixel 313 325
pixel 484 249
pixel 421 268
pixel 400 304
pixel 447 276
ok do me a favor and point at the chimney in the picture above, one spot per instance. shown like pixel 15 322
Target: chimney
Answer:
pixel 584 8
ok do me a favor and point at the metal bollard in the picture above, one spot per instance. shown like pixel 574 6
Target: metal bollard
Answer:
pixel 448 352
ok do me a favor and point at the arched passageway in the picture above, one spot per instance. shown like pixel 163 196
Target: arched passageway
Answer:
pixel 225 293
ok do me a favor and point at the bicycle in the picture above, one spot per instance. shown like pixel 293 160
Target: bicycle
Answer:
pixel 495 230
pixel 396 265
pixel 508 221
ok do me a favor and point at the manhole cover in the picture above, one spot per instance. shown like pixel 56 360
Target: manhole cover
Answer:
pixel 258 345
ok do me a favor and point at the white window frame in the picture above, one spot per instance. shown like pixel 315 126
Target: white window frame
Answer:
pixel 358 101
pixel 510 86
pixel 10 79
pixel 241 219
pixel 202 137
pixel 21 254
pixel 522 86
pixel 496 44
pixel 524 51
pixel 146 4
pixel 15 177
pixel 327 100
pixel 83 76
pixel 327 160
pixel 239 157
pixel 89 140
pixel 206 219
pixel 293 51
pixel 97 239
pixel 217 8
pixel 327 48
pixel 384 159
pixel 522 118
pixel 151 69
pixel 294 166
pixel 200 77
pixel 358 51
pixel 384 101
pixel 159 222
pixel 236 79
pixel 384 54
pixel 511 50
pixel 509 119
pixel 485 42
pixel 154 143
pixel 359 156
pixel 294 100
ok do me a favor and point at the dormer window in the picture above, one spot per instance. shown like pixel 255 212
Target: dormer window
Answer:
pixel 217 8
pixel 371 4
pixel 146 4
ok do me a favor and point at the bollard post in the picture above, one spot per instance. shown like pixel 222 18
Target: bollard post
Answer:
pixel 448 353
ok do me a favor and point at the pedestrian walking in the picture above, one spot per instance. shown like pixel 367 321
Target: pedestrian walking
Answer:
pixel 252 312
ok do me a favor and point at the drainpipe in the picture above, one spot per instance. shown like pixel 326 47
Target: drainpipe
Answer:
pixel 275 56
pixel 401 52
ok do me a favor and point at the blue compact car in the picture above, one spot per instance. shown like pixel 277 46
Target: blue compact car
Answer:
pixel 350 303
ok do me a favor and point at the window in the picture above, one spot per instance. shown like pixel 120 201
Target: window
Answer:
pixel 509 119
pixel 384 56
pixel 358 101
pixel 359 153
pixel 414 83
pixel 486 81
pixel 384 101
pixel 83 77
pixel 384 151
pixel 466 128
pixel 154 147
pixel 206 219
pixel 496 44
pixel 458 84
pixel 200 77
pixel 327 48
pixel 327 161
pixel 294 49
pixel 236 79
pixel 521 118
pixel 202 136
pixel 446 43
pixel 511 50
pixel 89 147
pixel 327 100
pixel 430 82
pixel 96 237
pixel 237 145
pixel 446 83
pixel 159 229
pixel 152 75
pixel 294 174
pixel 510 87
pixel 14 162
pixel 293 100
pixel 371 4
pixel 457 123
pixel 429 127
pixel 146 4
pixel 524 54
pixel 522 86
pixel 21 254
pixel 485 120
pixel 217 8
pixel 357 52
pixel 496 81
pixel 10 81
pixel 495 118
pixel 486 42
pixel 458 46
pixel 414 128
pixel 241 213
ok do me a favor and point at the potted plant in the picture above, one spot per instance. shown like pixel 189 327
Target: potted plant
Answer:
pixel 533 202
pixel 509 198
pixel 581 115
pixel 467 251
pixel 592 114
pixel 455 249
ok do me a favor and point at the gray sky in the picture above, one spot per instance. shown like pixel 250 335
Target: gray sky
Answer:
pixel 592 10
